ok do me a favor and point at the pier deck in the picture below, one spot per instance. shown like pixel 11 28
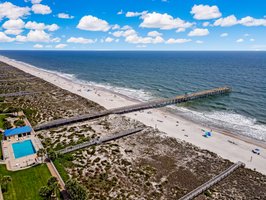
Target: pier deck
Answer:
pixel 137 107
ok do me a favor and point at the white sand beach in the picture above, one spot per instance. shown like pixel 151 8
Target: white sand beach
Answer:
pixel 227 145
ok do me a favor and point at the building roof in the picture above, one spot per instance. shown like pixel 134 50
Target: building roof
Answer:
pixel 16 131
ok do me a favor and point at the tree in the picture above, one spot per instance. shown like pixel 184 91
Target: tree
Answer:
pixel 52 155
pixel 45 192
pixel 75 191
pixel 41 153
pixel 53 185
pixel 4 180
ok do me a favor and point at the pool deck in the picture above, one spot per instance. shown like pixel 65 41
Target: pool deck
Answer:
pixel 14 164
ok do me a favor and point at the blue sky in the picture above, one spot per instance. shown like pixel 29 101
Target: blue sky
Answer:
pixel 133 24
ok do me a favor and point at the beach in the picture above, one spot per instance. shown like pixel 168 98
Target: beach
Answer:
pixel 227 145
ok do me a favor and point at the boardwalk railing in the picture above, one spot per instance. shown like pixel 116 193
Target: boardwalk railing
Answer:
pixel 137 107
pixel 100 141
pixel 15 94
pixel 212 182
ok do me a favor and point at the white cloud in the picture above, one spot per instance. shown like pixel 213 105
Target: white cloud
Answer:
pixel 91 23
pixel 205 24
pixel 64 16
pixel 13 32
pixel 38 46
pixel 109 39
pixel 250 21
pixel 60 46
pixel 34 36
pixel 11 11
pixel 154 33
pixel 251 39
pixel 163 21
pixel 41 9
pixel 36 1
pixel 120 12
pixel 5 38
pixel 227 21
pixel 199 42
pixel 136 14
pixel 141 46
pixel 202 12
pixel 56 40
pixel 239 40
pixel 135 39
pixel 124 33
pixel 13 24
pixel 41 26
pixel 180 30
pixel 224 35
pixel 199 32
pixel 246 35
pixel 177 41
pixel 80 40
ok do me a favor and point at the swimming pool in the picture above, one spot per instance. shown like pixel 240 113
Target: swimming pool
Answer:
pixel 24 148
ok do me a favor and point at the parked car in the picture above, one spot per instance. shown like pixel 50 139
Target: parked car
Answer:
pixel 256 151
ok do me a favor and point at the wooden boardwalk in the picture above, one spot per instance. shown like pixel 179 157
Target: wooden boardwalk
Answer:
pixel 137 107
pixel 15 94
pixel 100 140
pixel 212 182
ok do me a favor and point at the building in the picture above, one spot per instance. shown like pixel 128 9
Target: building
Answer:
pixel 16 133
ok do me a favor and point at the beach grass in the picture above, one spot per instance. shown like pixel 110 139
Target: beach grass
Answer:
pixel 25 184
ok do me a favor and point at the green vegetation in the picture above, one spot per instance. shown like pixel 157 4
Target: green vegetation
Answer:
pixel 62 162
pixel 51 189
pixel 75 191
pixel 2 117
pixel 4 180
pixel 19 123
pixel 25 184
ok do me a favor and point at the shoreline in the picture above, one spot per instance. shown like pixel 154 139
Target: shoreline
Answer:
pixel 162 119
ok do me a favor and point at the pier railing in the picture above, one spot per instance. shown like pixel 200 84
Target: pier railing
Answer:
pixel 212 181
pixel 137 107
pixel 100 140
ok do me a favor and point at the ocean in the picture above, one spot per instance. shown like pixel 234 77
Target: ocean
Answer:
pixel 146 75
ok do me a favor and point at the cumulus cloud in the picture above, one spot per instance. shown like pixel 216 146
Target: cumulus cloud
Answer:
pixel 91 23
pixel 239 40
pixel 13 24
pixel 163 21
pixel 205 24
pixel 11 11
pixel 64 16
pixel 80 40
pixel 34 36
pixel 38 46
pixel 120 12
pixel 224 35
pixel 203 12
pixel 199 32
pixel 13 32
pixel 136 14
pixel 227 21
pixel 41 9
pixel 109 39
pixel 154 33
pixel 251 39
pixel 41 26
pixel 124 33
pixel 177 41
pixel 60 46
pixel 135 39
pixel 250 21
pixel 199 42
pixel 5 38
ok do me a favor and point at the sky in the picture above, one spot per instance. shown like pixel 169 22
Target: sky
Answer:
pixel 133 25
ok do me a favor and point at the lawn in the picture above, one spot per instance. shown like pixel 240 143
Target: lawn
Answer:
pixel 25 184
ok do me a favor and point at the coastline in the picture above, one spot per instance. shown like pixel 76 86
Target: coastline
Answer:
pixel 161 119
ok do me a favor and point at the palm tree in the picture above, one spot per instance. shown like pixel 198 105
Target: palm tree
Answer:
pixel 53 185
pixel 41 153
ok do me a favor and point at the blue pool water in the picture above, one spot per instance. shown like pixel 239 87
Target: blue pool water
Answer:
pixel 24 148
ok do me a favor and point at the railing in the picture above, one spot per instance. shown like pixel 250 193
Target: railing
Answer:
pixel 100 141
pixel 137 107
pixel 212 182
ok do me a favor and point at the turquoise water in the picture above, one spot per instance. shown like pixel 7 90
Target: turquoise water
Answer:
pixel 151 75
pixel 24 148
